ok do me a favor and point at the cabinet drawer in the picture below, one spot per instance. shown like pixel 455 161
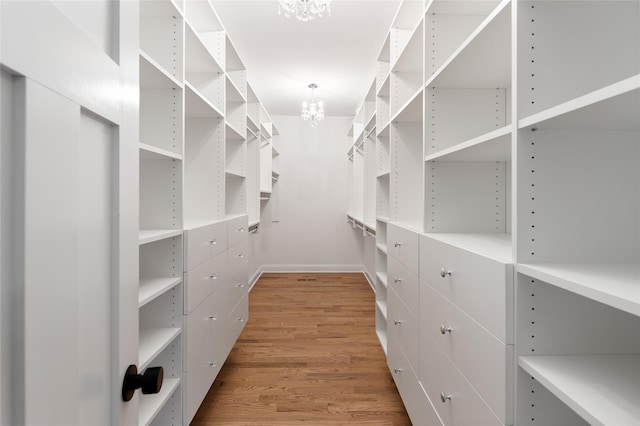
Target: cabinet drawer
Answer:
pixel 237 256
pixel 483 359
pixel 453 397
pixel 419 408
pixel 237 320
pixel 204 280
pixel 403 245
pixel 405 283
pixel 202 243
pixel 402 327
pixel 480 286
pixel 237 230
pixel 237 286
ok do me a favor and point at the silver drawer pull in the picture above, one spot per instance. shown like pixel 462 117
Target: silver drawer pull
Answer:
pixel 397 280
pixel 397 322
pixel 397 244
pixel 213 364
pixel 213 242
pixel 213 277
pixel 213 317
pixel 241 319
pixel 444 397
pixel 241 255
pixel 444 329
pixel 240 285
pixel 241 229
pixel 397 370
pixel 444 272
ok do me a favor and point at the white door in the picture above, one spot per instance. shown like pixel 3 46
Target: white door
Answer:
pixel 69 213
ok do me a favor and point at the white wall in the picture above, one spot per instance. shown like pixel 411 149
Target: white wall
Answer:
pixel 304 226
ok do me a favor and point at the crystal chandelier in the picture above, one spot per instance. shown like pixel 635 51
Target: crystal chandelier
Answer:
pixel 312 112
pixel 304 10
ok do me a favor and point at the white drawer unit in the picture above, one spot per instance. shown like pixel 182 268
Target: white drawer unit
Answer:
pixel 403 245
pixel 237 256
pixel 237 230
pixel 455 400
pixel 418 405
pixel 236 321
pixel 203 243
pixel 204 280
pixel 237 287
pixel 405 283
pixel 483 359
pixel 402 327
pixel 472 282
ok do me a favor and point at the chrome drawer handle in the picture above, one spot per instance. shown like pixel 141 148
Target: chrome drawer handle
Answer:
pixel 241 319
pixel 213 364
pixel 240 285
pixel 213 242
pixel 444 329
pixel 397 280
pixel 241 255
pixel 397 370
pixel 444 397
pixel 444 272
pixel 241 229
pixel 397 322
pixel 397 244
pixel 213 277
pixel 213 317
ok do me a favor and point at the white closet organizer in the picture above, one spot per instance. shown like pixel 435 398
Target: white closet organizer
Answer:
pixel 493 113
pixel 199 188
pixel 578 283
pixel 161 166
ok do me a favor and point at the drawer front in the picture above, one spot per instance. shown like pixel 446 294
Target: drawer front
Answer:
pixel 236 257
pixel 202 243
pixel 456 402
pixel 481 287
pixel 414 397
pixel 483 359
pixel 403 245
pixel 402 327
pixel 237 320
pixel 237 230
pixel 405 283
pixel 204 280
pixel 237 286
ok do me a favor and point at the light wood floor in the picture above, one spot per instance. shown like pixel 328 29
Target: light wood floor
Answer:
pixel 308 355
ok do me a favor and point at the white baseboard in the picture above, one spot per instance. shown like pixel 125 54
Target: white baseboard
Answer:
pixel 312 268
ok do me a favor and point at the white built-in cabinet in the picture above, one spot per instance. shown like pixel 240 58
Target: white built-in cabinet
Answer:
pixel 507 210
pixel 201 165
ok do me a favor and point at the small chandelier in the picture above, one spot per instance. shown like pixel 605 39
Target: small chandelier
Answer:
pixel 304 10
pixel 312 112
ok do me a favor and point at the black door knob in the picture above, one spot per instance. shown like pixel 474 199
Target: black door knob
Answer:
pixel 149 382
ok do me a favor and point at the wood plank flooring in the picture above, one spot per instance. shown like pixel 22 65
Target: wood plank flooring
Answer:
pixel 308 355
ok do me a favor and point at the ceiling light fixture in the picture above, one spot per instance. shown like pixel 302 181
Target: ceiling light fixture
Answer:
pixel 312 112
pixel 304 10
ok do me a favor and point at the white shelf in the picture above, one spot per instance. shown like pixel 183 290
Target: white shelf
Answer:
pixel 382 337
pixel 152 342
pixel 149 152
pixel 233 133
pixel 154 76
pixel 385 173
pixel 383 91
pixel 150 235
pixel 494 246
pixel 612 107
pixel 616 285
pixel 382 247
pixel 233 92
pixel 198 58
pixel 150 405
pixel 197 105
pixel 602 389
pixel 235 173
pixel 382 307
pixel 492 146
pixel 382 276
pixel 411 111
pixel 151 288
pixel 484 59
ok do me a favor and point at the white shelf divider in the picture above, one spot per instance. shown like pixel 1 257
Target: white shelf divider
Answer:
pixel 602 389
pixel 151 288
pixel 149 152
pixel 492 146
pixel 150 235
pixel 150 405
pixel 152 342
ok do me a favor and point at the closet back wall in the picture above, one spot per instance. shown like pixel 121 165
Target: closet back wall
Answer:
pixel 304 227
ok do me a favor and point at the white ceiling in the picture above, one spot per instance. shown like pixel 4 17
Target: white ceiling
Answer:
pixel 283 55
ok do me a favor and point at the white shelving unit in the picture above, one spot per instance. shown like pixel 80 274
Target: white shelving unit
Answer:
pixel 162 91
pixel 507 137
